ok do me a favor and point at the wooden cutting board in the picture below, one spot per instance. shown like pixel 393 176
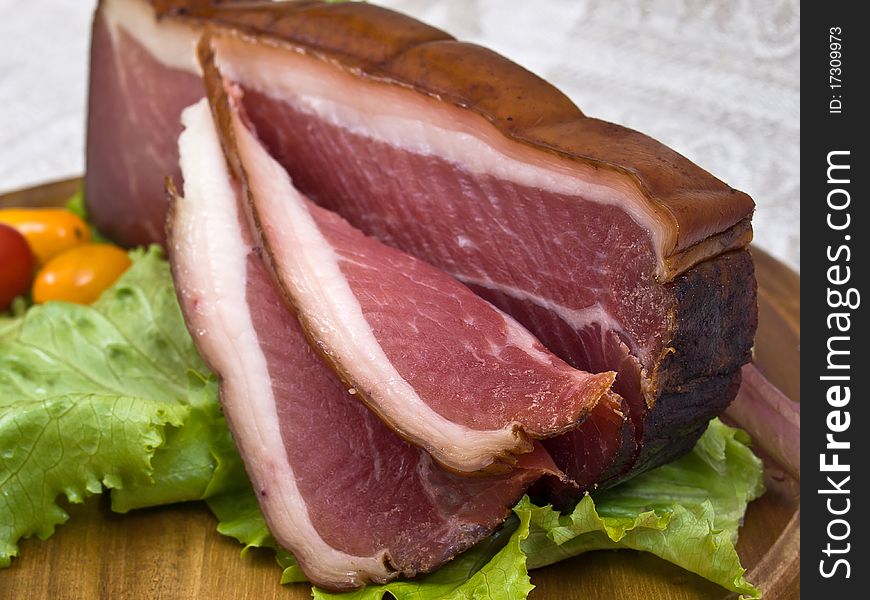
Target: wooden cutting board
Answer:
pixel 174 552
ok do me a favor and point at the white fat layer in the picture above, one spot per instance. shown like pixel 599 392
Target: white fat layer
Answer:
pixel 517 336
pixel 416 123
pixel 577 319
pixel 309 268
pixel 211 257
pixel 170 42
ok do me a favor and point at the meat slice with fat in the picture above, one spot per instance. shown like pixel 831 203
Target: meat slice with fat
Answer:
pixel 615 251
pixel 351 500
pixel 444 368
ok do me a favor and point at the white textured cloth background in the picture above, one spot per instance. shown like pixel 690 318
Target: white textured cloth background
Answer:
pixel 718 80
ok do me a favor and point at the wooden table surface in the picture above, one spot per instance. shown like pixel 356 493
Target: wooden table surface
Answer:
pixel 174 552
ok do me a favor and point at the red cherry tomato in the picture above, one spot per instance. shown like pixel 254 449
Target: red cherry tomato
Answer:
pixel 16 265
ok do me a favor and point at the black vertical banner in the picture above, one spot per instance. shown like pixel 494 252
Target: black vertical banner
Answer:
pixel 835 361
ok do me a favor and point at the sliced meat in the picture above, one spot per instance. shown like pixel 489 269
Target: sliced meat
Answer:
pixel 350 499
pixel 135 101
pixel 615 251
pixel 587 454
pixel 443 367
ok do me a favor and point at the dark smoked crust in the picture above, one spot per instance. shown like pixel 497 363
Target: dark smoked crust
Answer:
pixel 383 45
pixel 681 416
pixel 715 318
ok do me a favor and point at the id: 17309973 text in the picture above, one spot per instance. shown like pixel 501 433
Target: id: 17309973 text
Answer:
pixel 835 69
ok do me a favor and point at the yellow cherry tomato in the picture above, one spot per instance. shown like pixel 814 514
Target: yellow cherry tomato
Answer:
pixel 49 231
pixel 80 274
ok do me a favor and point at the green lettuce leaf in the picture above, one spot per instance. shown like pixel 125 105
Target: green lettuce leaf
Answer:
pixel 71 444
pixel 687 512
pixel 198 459
pixel 76 205
pixel 239 517
pixel 109 395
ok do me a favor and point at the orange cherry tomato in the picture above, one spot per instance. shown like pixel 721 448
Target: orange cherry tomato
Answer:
pixel 49 231
pixel 16 265
pixel 80 274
